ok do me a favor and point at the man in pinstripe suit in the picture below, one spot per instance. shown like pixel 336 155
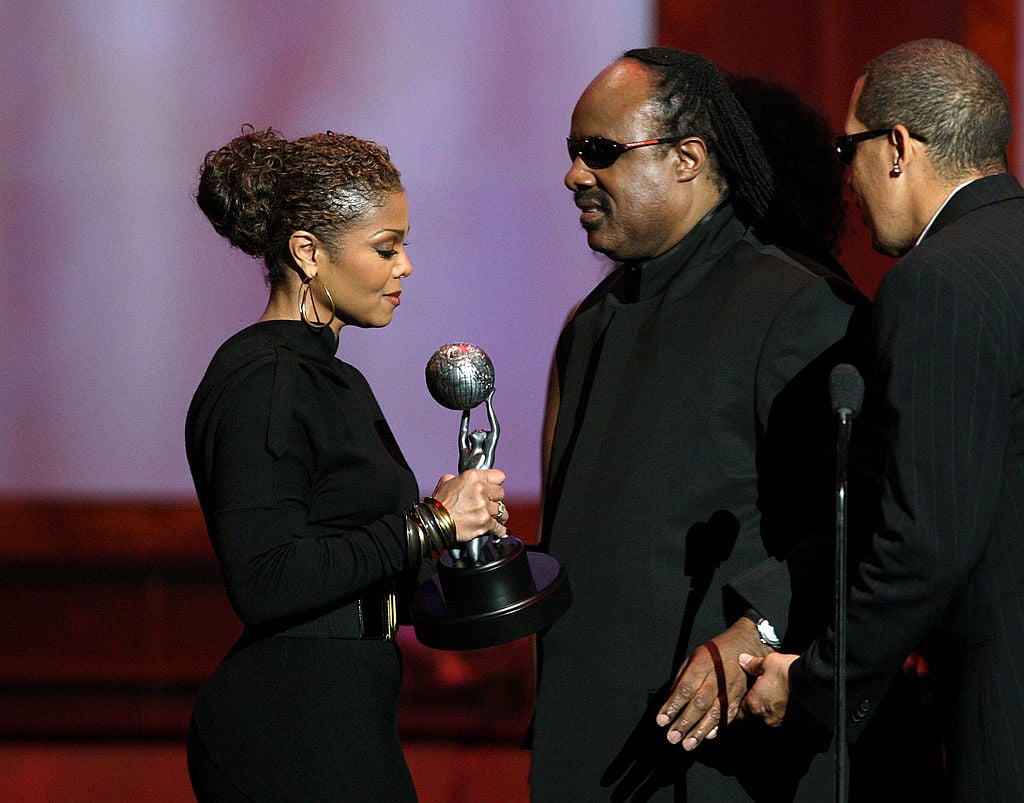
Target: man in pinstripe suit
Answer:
pixel 926 138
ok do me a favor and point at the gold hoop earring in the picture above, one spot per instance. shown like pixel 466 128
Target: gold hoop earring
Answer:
pixel 306 295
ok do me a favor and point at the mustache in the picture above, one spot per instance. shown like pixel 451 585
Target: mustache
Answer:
pixel 593 197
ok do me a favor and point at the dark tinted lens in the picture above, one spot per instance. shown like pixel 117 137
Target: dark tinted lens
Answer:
pixel 596 153
pixel 845 150
pixel 846 145
pixel 599 153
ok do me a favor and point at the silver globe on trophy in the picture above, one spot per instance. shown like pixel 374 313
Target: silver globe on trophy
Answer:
pixel 489 590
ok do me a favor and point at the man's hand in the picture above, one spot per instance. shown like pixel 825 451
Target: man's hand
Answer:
pixel 769 695
pixel 694 708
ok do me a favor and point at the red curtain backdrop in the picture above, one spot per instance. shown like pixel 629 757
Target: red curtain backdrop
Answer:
pixel 818 47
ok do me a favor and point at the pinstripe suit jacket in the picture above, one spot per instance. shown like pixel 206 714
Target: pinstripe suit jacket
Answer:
pixel 949 563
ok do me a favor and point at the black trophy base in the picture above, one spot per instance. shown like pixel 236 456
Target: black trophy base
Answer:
pixel 492 594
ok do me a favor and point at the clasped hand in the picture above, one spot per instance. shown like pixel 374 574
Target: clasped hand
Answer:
pixel 769 695
pixel 693 711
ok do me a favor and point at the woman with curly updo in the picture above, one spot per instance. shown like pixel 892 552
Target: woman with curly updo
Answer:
pixel 309 504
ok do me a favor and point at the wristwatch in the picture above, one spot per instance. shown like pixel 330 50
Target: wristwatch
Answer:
pixel 767 634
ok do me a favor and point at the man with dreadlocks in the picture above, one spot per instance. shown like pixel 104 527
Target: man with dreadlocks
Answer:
pixel 690 471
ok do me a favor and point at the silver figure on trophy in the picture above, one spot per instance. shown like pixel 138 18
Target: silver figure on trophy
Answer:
pixel 491 590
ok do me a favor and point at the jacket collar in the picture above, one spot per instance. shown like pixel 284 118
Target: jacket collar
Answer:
pixel 982 192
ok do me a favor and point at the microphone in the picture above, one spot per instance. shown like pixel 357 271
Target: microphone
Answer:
pixel 846 388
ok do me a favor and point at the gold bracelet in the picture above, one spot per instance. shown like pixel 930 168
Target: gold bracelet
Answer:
pixel 445 519
pixel 438 525
pixel 415 539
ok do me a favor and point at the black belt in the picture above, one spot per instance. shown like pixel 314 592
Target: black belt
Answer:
pixel 378 616
pixel 373 616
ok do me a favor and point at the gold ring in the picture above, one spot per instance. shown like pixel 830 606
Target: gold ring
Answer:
pixel 502 515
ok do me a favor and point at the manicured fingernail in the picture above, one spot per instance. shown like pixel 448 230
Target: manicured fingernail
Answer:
pixel 689 744
pixel 663 720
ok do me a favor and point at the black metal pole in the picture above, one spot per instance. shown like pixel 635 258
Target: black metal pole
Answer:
pixel 846 388
pixel 839 624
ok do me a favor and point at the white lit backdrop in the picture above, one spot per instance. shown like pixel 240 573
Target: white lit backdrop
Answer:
pixel 116 291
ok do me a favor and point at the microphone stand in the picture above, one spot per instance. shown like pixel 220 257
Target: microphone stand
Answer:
pixel 847 392
pixel 842 459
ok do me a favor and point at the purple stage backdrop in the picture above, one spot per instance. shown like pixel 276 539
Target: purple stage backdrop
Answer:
pixel 116 290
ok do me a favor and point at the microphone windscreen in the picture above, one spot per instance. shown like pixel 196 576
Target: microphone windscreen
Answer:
pixel 846 387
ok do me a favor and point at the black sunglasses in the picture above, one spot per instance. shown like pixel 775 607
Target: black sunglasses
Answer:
pixel 598 153
pixel 846 145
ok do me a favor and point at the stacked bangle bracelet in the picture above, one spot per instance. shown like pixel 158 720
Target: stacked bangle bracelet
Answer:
pixel 429 529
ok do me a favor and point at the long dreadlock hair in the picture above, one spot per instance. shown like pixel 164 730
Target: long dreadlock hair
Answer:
pixel 695 100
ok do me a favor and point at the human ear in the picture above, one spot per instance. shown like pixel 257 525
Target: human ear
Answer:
pixel 693 158
pixel 905 148
pixel 303 247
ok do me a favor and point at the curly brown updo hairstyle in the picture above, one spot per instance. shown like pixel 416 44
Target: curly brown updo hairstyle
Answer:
pixel 260 188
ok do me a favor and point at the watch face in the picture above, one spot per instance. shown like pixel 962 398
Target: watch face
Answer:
pixel 767 633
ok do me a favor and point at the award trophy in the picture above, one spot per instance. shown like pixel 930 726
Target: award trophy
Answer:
pixel 489 590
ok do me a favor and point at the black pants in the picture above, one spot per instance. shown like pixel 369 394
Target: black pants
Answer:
pixel 209 783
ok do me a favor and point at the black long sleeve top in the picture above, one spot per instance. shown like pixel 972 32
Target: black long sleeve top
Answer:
pixel 299 477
